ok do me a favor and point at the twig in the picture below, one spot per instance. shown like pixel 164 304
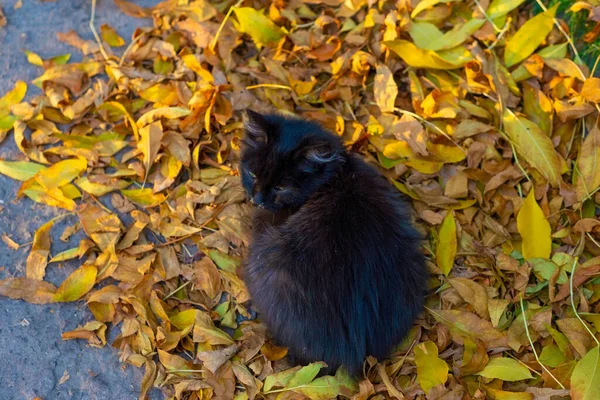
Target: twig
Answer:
pixel 501 33
pixel 512 146
pixel 487 16
pixel 176 290
pixel 533 347
pixel 213 42
pixel 573 302
pixel 98 40
pixel 128 49
pixel 268 85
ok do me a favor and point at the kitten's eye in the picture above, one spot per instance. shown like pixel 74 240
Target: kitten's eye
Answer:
pixel 252 174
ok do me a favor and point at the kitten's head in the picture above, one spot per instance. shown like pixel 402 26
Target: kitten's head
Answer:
pixel 284 160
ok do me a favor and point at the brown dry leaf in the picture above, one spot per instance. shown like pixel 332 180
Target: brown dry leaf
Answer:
pixel 40 250
pixel 32 291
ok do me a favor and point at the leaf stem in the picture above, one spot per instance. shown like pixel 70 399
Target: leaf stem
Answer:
pixel 213 42
pixel 96 36
pixel 176 290
pixel 573 302
pixel 268 85
pixel 533 347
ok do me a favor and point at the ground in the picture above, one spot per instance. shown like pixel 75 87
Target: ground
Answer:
pixel 34 357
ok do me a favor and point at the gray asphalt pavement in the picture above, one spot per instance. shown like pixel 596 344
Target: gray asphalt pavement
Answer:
pixel 34 361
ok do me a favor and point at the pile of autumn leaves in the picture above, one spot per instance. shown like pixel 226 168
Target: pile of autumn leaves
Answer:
pixel 482 114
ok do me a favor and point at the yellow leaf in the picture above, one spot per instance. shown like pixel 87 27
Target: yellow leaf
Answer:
pixel 425 4
pixel 149 144
pixel 118 107
pixel 534 228
pixel 192 63
pixel 98 189
pixel 587 176
pixel 529 37
pixel 385 89
pixel 425 166
pixel 144 197
pixel 534 146
pixel 110 36
pixel 61 173
pixel 35 267
pixel 499 8
pixel 260 28
pixel 446 248
pixel 165 112
pixel 13 97
pixel 446 154
pixel 591 90
pixel 161 93
pixel 52 197
pixel 419 58
pixel 431 370
pixel 77 284
pixel 34 58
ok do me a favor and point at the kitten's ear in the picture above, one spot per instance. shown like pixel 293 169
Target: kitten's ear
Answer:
pixel 256 127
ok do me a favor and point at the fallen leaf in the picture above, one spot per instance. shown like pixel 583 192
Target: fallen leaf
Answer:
pixel 431 370
pixel 447 245
pixel 506 369
pixel 77 284
pixel 523 43
pixel 535 229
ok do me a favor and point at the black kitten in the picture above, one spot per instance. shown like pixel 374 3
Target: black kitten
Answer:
pixel 334 267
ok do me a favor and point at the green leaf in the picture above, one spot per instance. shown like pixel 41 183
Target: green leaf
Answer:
pixel 456 36
pixel 224 261
pixel 534 146
pixel 66 255
pixel 534 229
pixel 306 374
pixel 261 29
pixel 551 356
pixel 280 379
pixel 585 380
pixel 499 8
pixel 529 37
pixel 20 170
pixel 506 369
pixel 14 96
pixel 546 269
pixel 431 370
pixel 110 36
pixel 446 248
pixel 419 58
pixel 77 284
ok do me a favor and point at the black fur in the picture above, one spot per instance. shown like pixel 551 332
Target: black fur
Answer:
pixel 334 268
